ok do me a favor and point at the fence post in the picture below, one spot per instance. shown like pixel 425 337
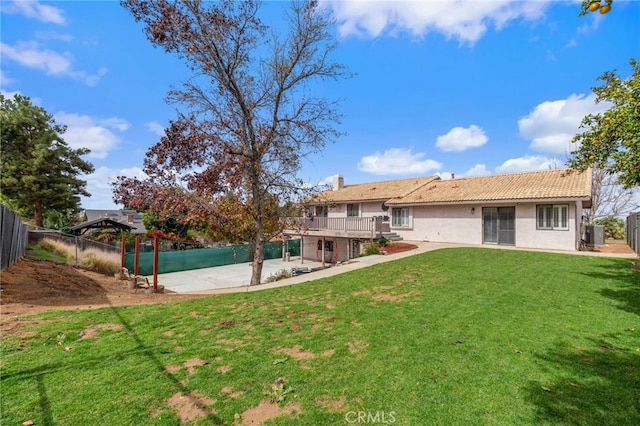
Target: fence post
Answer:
pixel 136 262
pixel 156 248
pixel 123 251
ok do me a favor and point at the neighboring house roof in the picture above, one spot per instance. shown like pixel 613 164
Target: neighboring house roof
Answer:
pixel 99 223
pixel 129 217
pixel 548 184
pixel 372 191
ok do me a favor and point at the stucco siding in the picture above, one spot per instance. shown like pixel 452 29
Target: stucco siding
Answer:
pixel 372 209
pixel 366 209
pixel 450 224
pixel 461 224
pixel 528 236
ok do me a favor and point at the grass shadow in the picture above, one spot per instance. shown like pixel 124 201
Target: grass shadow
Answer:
pixel 210 418
pixel 595 386
pixel 627 288
pixel 39 374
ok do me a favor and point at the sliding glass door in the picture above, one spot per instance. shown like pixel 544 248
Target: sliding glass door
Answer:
pixel 499 225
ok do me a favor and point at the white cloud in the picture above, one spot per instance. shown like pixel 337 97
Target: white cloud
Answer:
pixel 528 163
pixel 29 54
pixel 99 186
pixel 460 139
pixel 98 135
pixel 465 20
pixel 32 55
pixel 11 95
pixel 34 9
pixel 477 170
pixel 592 23
pixel 155 128
pixel 444 175
pixel 89 79
pixel 397 161
pixel 117 123
pixel 552 124
pixel 54 35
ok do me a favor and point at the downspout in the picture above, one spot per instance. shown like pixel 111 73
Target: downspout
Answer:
pixel 579 224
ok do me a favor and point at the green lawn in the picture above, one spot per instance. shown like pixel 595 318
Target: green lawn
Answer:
pixel 452 337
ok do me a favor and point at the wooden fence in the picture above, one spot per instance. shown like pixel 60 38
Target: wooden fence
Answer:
pixel 14 234
pixel 633 231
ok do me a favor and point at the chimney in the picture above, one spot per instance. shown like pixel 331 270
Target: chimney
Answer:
pixel 129 218
pixel 338 182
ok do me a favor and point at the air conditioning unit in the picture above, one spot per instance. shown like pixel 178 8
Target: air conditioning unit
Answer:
pixel 594 235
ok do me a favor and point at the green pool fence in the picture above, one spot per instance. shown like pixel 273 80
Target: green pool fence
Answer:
pixel 186 260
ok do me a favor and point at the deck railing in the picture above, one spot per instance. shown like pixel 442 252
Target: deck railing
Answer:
pixel 365 224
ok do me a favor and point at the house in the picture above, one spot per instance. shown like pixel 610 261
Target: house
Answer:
pixel 538 210
pixel 128 217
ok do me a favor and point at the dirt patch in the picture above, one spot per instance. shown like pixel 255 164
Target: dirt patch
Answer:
pixel 394 297
pixel 224 369
pixel 267 410
pixel 614 247
pixel 229 391
pixel 172 368
pixel 31 286
pixel 92 332
pixel 335 405
pixel 190 364
pixel 297 352
pixel 192 406
pixel 356 347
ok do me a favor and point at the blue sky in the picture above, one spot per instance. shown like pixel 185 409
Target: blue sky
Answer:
pixel 448 87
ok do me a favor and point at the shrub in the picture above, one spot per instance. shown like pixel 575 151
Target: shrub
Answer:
pixel 614 227
pixel 383 242
pixel 66 250
pixel 91 259
pixel 280 275
pixel 373 249
pixel 99 261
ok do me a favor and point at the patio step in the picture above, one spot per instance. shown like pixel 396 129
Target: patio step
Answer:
pixel 391 236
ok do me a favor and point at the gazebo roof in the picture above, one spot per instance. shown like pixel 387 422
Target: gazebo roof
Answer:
pixel 100 223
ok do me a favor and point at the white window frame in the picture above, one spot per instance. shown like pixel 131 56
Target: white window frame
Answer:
pixel 554 217
pixel 401 213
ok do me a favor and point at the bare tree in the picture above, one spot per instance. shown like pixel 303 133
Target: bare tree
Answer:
pixel 609 197
pixel 253 113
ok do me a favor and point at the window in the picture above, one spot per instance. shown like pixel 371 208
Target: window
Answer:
pixel 400 217
pixel 353 210
pixel 553 216
pixel 322 211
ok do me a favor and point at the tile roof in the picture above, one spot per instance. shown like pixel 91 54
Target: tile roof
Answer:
pixel 373 191
pixel 548 184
